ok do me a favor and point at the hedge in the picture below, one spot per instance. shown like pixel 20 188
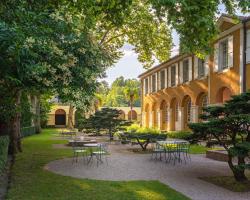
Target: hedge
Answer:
pixel 185 135
pixel 4 144
pixel 27 131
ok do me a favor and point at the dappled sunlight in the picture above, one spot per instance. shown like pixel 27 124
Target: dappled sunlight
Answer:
pixel 149 194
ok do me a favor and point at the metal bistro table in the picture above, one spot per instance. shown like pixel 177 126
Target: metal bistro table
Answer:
pixel 91 146
pixel 175 149
pixel 80 142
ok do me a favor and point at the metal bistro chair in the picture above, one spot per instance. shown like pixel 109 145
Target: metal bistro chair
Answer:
pixel 100 153
pixel 171 152
pixel 77 151
pixel 184 148
pixel 157 150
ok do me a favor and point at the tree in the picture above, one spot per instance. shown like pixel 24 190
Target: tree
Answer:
pixel 141 28
pixel 231 121
pixel 49 46
pixel 195 18
pixel 131 92
pixel 106 119
pixel 45 108
pixel 119 93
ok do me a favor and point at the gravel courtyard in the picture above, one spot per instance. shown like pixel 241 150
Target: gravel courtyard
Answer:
pixel 124 165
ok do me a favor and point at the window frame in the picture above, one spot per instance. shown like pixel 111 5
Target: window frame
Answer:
pixel 146 86
pixel 223 55
pixel 185 70
pixel 173 76
pixel 201 64
pixel 154 79
pixel 162 79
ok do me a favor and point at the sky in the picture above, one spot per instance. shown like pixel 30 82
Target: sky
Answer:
pixel 129 67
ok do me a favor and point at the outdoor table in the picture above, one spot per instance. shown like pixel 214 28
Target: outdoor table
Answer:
pixel 172 141
pixel 173 146
pixel 81 142
pixel 68 133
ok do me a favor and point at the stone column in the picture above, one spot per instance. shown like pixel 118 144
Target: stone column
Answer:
pixel 180 124
pixel 169 119
pixel 195 114
pixel 143 119
pixel 150 119
pixel 159 113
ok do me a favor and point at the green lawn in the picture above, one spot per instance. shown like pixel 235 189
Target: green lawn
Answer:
pixel 199 149
pixel 30 181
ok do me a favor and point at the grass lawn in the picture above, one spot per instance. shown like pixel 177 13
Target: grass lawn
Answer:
pixel 30 181
pixel 199 149
pixel 229 183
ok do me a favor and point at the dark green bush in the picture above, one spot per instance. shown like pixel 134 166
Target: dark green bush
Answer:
pixel 185 135
pixel 4 144
pixel 27 131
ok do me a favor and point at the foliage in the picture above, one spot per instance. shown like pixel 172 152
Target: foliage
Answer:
pixel 133 128
pixel 192 18
pixel 4 143
pixel 151 38
pixel 50 46
pixel 7 105
pixel 28 131
pixel 26 113
pixel 227 124
pixel 143 136
pixel 131 93
pixel 45 107
pixel 119 93
pixel 136 129
pixel 185 135
pixel 144 130
pixel 107 119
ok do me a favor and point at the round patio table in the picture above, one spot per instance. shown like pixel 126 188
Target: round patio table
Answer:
pixel 175 147
pixel 80 142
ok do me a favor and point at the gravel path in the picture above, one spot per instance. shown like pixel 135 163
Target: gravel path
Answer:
pixel 123 165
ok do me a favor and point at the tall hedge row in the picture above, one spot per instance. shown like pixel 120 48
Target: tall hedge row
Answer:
pixel 4 144
pixel 27 131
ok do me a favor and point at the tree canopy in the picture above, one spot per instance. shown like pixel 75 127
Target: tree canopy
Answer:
pixel 195 21
pixel 118 95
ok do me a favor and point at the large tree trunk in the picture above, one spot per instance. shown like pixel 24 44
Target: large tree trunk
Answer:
pixel 15 133
pixel 37 110
pixel 70 117
pixel 238 172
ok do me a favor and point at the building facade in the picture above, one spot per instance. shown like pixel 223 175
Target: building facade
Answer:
pixel 174 92
pixel 58 116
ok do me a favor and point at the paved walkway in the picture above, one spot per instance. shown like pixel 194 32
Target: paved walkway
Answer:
pixel 124 165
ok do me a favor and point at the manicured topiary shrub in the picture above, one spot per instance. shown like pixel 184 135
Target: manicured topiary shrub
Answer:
pixel 185 135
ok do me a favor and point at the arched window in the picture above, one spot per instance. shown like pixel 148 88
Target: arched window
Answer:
pixel 187 108
pixel 132 115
